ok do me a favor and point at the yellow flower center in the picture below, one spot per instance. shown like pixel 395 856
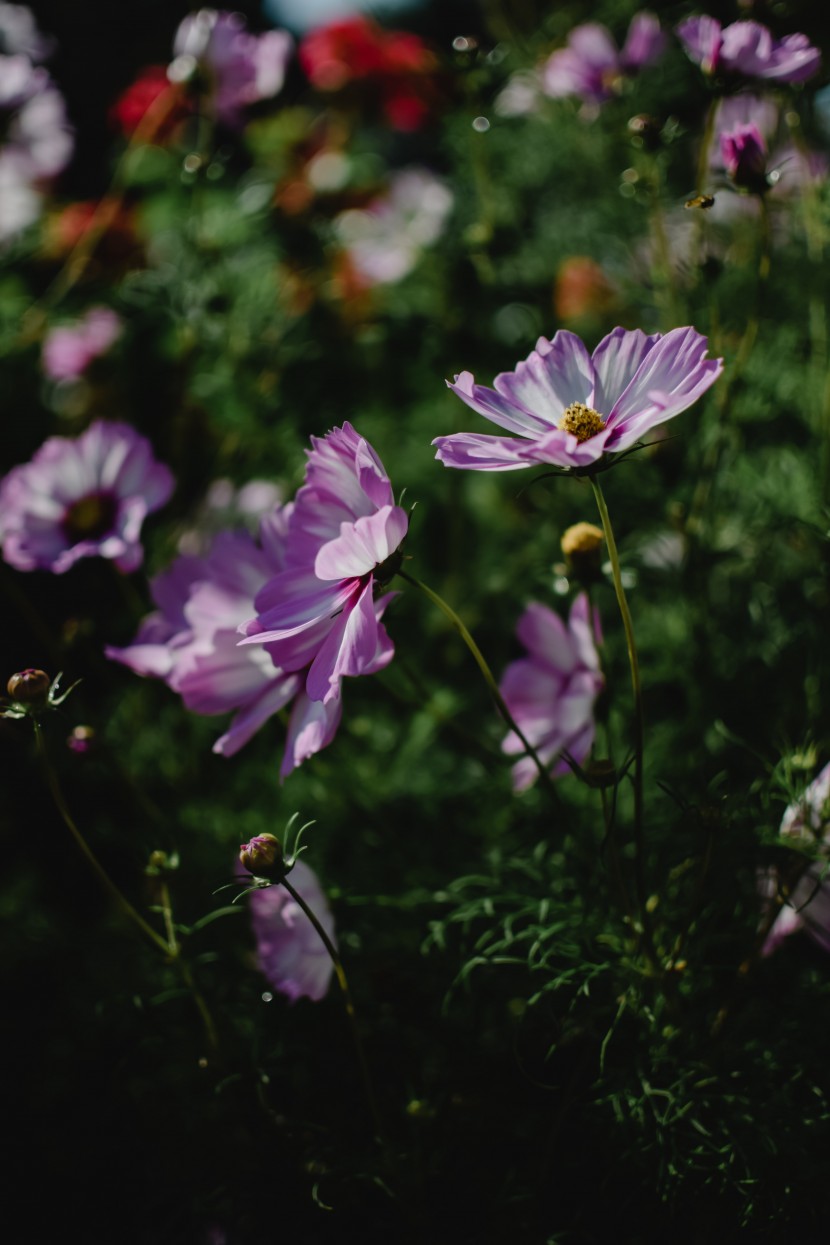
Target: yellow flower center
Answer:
pixel 581 421
pixel 90 517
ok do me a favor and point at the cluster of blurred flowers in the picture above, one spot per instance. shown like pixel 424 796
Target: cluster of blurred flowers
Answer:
pixel 36 141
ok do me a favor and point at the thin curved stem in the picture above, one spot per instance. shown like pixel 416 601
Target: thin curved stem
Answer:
pixel 639 727
pixel 343 983
pixel 98 869
pixel 487 673
pixel 709 467
pixel 105 213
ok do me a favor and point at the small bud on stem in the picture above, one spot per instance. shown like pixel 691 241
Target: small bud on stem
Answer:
pixel 263 857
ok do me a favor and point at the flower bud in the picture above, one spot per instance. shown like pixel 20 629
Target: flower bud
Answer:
pixel 263 857
pixel 582 547
pixel 744 155
pixel 29 688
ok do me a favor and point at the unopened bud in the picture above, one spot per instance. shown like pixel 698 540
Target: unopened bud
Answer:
pixel 582 547
pixel 30 688
pixel 263 857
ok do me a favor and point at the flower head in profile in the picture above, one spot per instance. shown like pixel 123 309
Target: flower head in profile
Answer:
pixel 806 823
pixel 82 498
pixel 233 67
pixel 69 349
pixel 322 612
pixel 290 952
pixel 551 692
pixel 747 50
pixel 744 155
pixel 191 641
pixel 570 409
pixel 593 68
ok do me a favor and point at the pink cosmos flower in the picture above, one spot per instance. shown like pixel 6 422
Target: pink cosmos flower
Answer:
pixel 343 540
pixel 592 67
pixel 69 349
pixel 551 692
pixel 747 50
pixel 191 641
pixel 82 498
pixel 290 952
pixel 570 409
pixel 744 155
pixel 237 67
pixel 806 821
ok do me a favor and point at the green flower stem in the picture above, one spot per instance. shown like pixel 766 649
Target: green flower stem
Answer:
pixel 703 176
pixel 450 613
pixel 639 730
pixel 708 472
pixel 343 982
pixel 167 949
pixel 662 267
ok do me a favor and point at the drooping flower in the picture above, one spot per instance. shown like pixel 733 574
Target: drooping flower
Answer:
pixel 344 536
pixel 744 155
pixel 69 349
pixel 806 822
pixel 384 240
pixel 231 66
pixel 81 498
pixel 290 951
pixel 569 409
pixel 592 67
pixel 551 692
pixel 396 65
pixel 191 641
pixel 747 50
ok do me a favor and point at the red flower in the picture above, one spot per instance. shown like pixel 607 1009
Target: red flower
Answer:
pixel 396 64
pixel 133 104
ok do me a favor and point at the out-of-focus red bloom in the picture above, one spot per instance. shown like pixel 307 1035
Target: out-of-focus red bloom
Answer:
pixel 132 105
pixel 118 245
pixel 398 65
pixel 582 291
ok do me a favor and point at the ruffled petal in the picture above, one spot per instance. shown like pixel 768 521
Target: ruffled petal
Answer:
pixel 672 376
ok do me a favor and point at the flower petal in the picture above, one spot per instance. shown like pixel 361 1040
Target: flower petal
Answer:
pixel 362 545
pixel 672 376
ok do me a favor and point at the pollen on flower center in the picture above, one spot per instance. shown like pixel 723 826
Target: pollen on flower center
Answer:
pixel 90 517
pixel 581 421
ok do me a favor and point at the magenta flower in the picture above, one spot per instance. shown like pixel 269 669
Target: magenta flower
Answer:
pixel 747 50
pixel 570 409
pixel 290 952
pixel 744 155
pixel 593 68
pixel 69 349
pixel 343 540
pixel 806 821
pixel 551 692
pixel 232 66
pixel 82 498
pixel 191 641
